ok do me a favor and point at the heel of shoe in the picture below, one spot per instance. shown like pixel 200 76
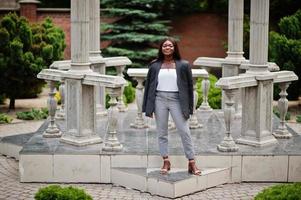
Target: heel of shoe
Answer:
pixel 166 166
pixel 192 168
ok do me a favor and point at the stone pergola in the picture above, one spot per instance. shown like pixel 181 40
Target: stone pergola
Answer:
pixel 44 159
pixel 253 89
pixel 256 83
pixel 83 81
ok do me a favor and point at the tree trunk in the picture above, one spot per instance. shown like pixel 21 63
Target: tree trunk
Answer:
pixel 12 104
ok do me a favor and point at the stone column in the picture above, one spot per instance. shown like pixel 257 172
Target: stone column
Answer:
pixel 139 121
pixel 259 36
pixel 281 131
pixel 80 99
pixel 95 52
pixel 228 144
pixel 61 113
pixel 52 131
pixel 235 47
pixel 111 141
pixel 235 29
pixel 257 100
pixel 205 89
pixel 28 9
pixel 121 106
pixel 193 121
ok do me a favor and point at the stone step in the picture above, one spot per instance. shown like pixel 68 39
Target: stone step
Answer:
pixel 178 182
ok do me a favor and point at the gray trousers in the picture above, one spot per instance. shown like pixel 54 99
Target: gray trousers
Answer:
pixel 168 102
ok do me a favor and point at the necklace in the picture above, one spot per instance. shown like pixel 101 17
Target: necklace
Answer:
pixel 168 64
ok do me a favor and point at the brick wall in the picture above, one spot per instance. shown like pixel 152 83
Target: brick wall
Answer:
pixel 200 34
pixel 29 11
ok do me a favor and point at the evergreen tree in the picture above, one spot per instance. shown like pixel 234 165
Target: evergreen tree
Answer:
pixel 136 31
pixel 24 51
pixel 285 49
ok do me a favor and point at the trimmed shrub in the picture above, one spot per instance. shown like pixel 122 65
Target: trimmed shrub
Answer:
pixel 56 192
pixel 26 49
pixel 298 118
pixel 34 114
pixel 214 96
pixel 129 93
pixel 281 192
pixel 5 118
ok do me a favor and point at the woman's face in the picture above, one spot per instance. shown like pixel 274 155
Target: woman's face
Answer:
pixel 167 48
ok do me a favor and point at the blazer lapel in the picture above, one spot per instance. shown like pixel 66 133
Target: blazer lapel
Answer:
pixel 178 70
pixel 158 67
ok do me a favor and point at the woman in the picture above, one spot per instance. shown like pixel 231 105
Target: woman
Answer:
pixel 169 89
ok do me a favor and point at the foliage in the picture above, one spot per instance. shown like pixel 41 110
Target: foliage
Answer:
pixel 298 118
pixel 2 98
pixel 277 113
pixel 214 96
pixel 58 97
pixel 56 192
pixel 137 30
pixel 5 118
pixel 34 114
pixel 285 49
pixel 24 51
pixel 129 93
pixel 281 192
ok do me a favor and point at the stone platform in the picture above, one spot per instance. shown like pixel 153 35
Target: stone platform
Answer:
pixel 49 160
pixel 175 184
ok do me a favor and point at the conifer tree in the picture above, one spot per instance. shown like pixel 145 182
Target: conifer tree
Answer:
pixel 24 51
pixel 136 31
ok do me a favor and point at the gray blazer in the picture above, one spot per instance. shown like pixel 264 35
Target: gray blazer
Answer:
pixel 184 82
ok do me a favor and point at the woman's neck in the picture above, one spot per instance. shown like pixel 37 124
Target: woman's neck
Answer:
pixel 168 58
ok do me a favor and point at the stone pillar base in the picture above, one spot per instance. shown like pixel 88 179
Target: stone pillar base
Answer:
pixel 52 132
pixel 81 141
pixel 255 142
pixel 52 135
pixel 112 146
pixel 193 122
pixel 139 125
pixel 282 134
pixel 205 108
pixel 227 145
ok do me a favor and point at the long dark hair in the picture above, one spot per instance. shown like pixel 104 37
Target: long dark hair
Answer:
pixel 176 54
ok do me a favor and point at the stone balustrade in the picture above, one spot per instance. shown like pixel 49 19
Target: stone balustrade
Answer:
pixel 113 85
pixel 97 64
pixel 140 74
pixel 256 127
pixel 52 130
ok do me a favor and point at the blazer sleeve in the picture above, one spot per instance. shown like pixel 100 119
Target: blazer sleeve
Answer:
pixel 146 90
pixel 190 88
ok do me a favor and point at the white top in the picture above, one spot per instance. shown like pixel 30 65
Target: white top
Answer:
pixel 167 80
